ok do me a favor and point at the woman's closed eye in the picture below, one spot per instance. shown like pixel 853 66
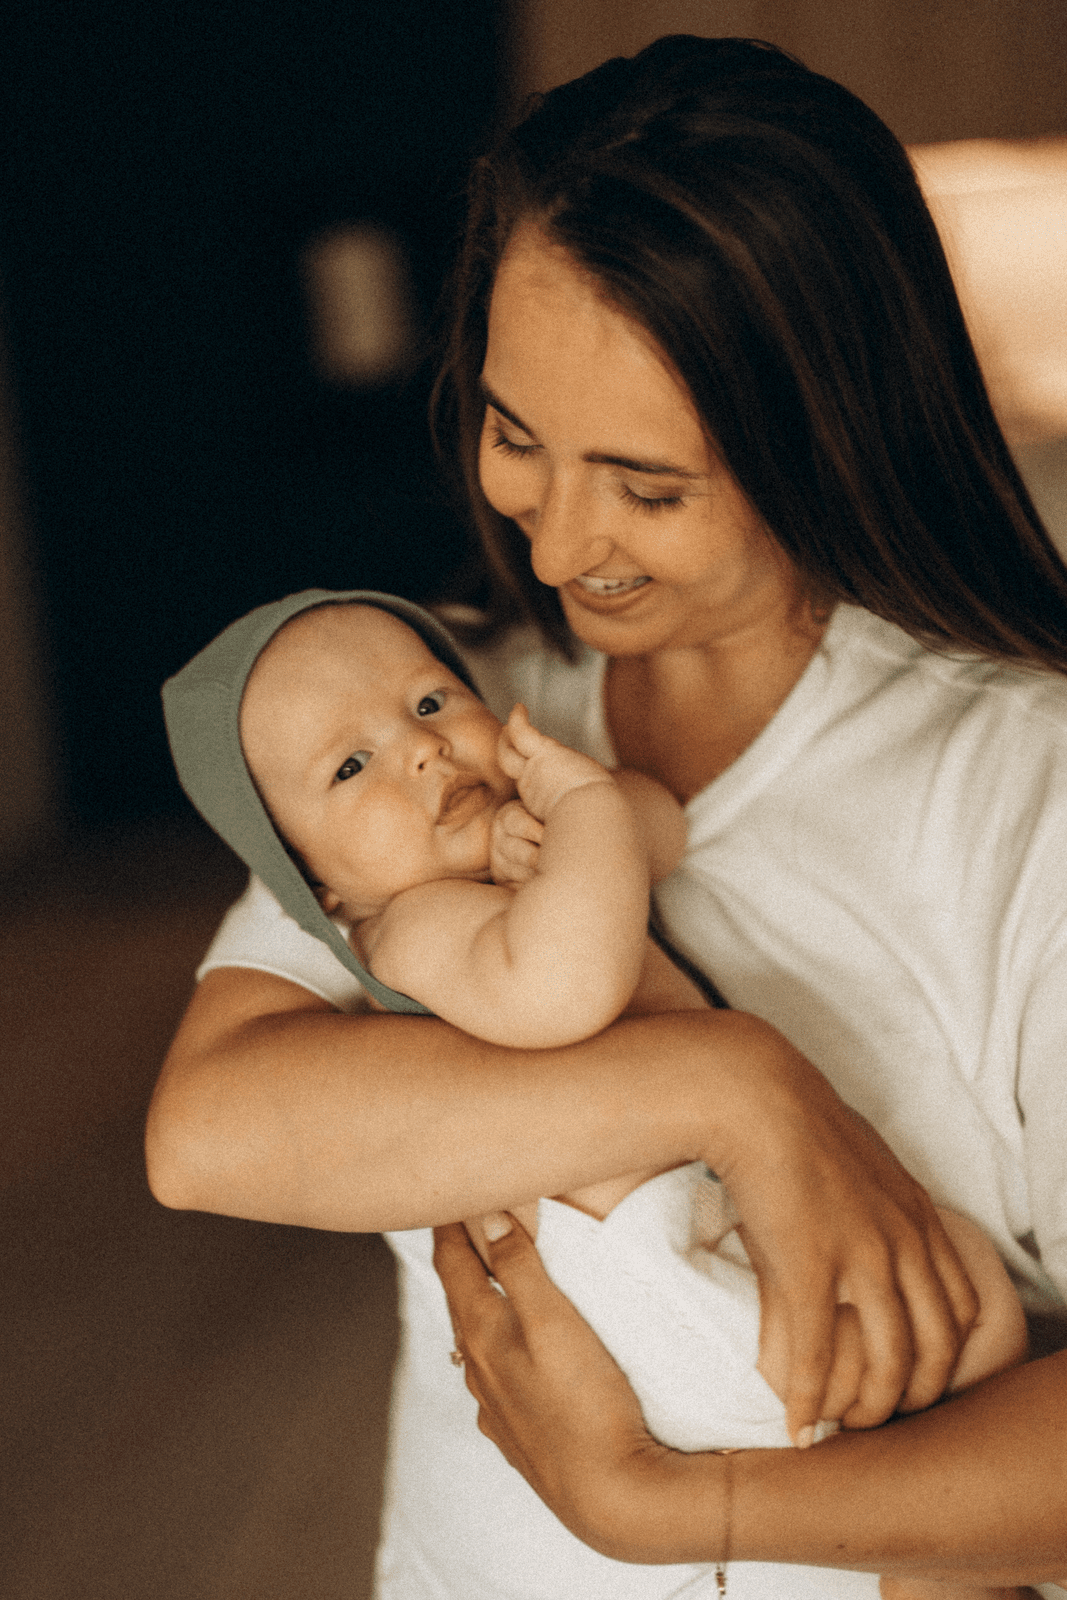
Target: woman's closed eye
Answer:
pixel 509 447
pixel 351 766
pixel 643 502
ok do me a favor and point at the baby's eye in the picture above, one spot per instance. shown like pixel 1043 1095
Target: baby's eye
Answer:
pixel 354 764
pixel 429 704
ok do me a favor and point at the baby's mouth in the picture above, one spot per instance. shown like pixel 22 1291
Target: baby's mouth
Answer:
pixel 609 586
pixel 464 797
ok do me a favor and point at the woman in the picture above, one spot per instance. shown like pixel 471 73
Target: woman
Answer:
pixel 729 411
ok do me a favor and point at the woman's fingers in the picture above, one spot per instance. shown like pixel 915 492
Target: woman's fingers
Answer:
pixel 458 1266
pixel 550 1396
pixel 890 1359
pixel 839 1221
pixel 940 1323
pixel 810 1360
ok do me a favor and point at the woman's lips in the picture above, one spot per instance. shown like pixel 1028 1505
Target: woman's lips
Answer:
pixel 607 587
pixel 607 595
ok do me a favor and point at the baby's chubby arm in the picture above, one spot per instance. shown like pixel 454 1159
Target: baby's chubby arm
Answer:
pixel 552 959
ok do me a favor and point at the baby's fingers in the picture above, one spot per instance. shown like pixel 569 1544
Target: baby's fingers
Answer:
pixel 524 737
pixel 518 823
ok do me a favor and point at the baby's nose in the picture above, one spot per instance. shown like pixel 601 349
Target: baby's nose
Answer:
pixel 429 748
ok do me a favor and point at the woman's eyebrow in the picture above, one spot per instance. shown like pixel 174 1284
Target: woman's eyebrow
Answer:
pixel 595 457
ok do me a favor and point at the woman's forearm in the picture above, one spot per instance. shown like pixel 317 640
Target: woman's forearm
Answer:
pixel 976 1487
pixel 275 1107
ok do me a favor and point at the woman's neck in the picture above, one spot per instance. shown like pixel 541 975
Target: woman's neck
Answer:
pixel 684 715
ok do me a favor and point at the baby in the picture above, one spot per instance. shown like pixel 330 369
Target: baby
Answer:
pixel 409 808
pixel 500 880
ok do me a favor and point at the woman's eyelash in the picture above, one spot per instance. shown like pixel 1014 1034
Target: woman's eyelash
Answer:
pixel 508 447
pixel 647 503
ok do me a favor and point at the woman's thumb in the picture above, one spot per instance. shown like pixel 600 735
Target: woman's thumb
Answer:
pixel 513 1258
pixel 496 1225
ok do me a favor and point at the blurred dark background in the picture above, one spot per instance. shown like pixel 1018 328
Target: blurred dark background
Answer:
pixel 182 459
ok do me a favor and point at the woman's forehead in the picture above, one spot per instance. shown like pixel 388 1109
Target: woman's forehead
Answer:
pixel 564 361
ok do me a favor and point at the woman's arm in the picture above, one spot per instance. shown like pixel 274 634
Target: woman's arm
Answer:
pixel 1001 209
pixel 976 1487
pixel 275 1107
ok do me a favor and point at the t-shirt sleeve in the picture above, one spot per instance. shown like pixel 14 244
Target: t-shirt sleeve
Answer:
pixel 257 933
pixel 1042 1094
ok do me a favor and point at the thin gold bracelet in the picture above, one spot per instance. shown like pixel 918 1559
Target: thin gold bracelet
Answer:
pixel 720 1566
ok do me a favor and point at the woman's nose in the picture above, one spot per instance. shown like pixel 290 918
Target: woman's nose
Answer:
pixel 564 538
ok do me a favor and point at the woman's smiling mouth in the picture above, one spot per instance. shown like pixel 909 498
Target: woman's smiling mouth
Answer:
pixel 610 586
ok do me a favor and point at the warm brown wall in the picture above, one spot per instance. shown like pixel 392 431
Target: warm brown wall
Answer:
pixel 951 70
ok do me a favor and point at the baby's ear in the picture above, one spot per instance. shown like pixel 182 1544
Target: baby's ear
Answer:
pixel 328 899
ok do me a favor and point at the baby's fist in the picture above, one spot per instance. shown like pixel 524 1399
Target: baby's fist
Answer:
pixel 513 845
pixel 544 769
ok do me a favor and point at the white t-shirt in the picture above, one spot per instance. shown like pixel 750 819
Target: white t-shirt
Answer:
pixel 883 876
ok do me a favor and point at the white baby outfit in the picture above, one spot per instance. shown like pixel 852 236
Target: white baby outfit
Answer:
pixel 883 876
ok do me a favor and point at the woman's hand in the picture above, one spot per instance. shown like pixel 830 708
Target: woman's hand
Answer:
pixel 551 1398
pixel 829 1218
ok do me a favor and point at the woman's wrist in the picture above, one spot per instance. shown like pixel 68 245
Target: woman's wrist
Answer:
pixel 660 1507
pixel 949 1492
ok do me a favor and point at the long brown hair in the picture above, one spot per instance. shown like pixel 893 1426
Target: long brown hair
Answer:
pixel 767 229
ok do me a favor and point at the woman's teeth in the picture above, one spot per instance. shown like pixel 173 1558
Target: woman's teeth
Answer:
pixel 610 585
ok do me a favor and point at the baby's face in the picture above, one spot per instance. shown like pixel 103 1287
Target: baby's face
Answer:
pixel 378 765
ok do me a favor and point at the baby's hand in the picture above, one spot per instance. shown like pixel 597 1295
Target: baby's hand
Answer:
pixel 513 845
pixel 543 769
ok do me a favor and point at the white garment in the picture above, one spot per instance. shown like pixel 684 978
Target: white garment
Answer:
pixel 882 876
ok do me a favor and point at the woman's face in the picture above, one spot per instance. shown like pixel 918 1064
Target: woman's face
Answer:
pixel 592 445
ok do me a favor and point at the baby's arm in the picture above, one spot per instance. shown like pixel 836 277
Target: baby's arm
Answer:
pixel 556 958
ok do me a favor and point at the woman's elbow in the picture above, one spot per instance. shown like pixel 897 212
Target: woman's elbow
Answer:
pixel 168 1175
pixel 177 1165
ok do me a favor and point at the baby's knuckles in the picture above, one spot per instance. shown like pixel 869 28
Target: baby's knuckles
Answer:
pixel 554 773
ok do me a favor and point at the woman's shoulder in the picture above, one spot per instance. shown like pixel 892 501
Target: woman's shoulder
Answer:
pixel 980 743
pixel 869 647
